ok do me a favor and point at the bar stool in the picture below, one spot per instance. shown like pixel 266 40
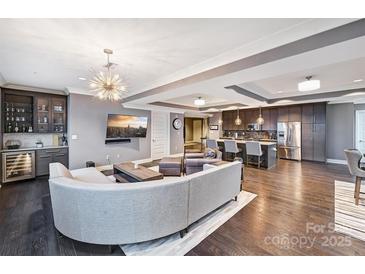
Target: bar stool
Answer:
pixel 253 148
pixel 353 157
pixel 212 143
pixel 230 146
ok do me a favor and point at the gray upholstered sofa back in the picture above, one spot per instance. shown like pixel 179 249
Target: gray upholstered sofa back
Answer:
pixel 111 213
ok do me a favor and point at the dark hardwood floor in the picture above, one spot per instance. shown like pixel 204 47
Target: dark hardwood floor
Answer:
pixel 289 196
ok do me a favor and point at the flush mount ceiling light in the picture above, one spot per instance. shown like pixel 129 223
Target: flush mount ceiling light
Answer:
pixel 199 101
pixel 358 80
pixel 238 121
pixel 107 85
pixel 309 84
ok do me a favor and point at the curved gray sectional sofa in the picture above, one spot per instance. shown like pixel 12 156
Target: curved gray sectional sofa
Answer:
pixel 89 207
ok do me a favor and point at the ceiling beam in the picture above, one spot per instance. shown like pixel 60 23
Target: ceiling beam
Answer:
pixel 170 105
pixel 317 96
pixel 323 39
pixel 247 93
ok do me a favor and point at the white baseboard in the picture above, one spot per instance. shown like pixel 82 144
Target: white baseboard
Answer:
pixel 337 161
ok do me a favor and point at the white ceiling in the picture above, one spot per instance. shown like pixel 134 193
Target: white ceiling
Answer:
pixel 333 77
pixel 53 53
pixel 189 100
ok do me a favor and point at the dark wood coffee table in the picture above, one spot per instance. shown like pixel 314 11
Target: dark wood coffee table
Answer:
pixel 127 173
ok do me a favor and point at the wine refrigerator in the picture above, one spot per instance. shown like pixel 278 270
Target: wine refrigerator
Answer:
pixel 17 166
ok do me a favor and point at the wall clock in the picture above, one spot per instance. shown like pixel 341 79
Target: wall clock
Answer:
pixel 176 123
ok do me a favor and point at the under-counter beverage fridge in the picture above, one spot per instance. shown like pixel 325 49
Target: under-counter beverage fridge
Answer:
pixel 17 166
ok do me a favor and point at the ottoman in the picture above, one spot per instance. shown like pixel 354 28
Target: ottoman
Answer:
pixel 170 166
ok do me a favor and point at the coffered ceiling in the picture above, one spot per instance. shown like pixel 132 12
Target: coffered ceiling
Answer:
pixel 173 61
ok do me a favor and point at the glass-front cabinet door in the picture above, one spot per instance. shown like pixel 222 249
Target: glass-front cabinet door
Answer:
pixel 43 114
pixel 58 114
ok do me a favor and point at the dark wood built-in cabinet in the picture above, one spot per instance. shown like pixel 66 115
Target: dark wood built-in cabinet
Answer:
pixel 314 132
pixel 27 112
pixel 46 156
pixel 312 116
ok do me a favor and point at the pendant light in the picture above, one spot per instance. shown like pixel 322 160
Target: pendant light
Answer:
pixel 238 121
pixel 107 85
pixel 260 121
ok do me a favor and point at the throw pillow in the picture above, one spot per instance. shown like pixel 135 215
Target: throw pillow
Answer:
pixel 210 153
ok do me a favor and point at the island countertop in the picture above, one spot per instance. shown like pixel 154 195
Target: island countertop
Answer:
pixel 263 143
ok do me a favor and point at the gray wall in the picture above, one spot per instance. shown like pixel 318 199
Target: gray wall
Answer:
pixel 87 119
pixel 176 136
pixel 340 129
pixel 215 134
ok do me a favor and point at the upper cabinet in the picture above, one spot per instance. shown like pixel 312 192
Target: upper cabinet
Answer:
pixel 17 113
pixel 43 114
pixel 266 114
pixel 319 111
pixel 289 114
pixel 314 113
pixel 273 118
pixel 26 112
pixel 294 113
pixel 58 114
pixel 307 114
pixel 283 114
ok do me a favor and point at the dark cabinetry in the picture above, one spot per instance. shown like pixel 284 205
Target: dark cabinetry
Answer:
pixel 270 116
pixel 289 114
pixel 46 156
pixel 283 114
pixel 294 114
pixel 273 118
pixel 25 111
pixel 314 132
pixel 314 113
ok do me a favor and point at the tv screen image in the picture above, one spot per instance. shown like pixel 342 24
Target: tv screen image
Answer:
pixel 126 126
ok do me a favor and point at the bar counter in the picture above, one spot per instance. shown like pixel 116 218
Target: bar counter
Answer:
pixel 268 149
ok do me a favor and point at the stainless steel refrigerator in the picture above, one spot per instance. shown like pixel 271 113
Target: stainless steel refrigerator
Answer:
pixel 290 140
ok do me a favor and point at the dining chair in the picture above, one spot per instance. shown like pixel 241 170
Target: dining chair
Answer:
pixel 353 157
pixel 253 148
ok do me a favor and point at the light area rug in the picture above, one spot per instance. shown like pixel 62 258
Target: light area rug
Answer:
pixel 173 245
pixel 349 218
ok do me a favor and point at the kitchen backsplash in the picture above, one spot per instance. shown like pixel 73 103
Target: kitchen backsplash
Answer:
pixel 29 139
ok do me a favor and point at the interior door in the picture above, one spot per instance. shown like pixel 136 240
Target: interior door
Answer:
pixel 160 129
pixel 360 130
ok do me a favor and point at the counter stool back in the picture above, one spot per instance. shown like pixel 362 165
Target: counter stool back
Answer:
pixel 253 148
pixel 231 148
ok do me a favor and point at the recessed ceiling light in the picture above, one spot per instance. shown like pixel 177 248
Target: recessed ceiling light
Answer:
pixel 82 78
pixel 199 102
pixel 309 84
pixel 279 91
pixel 358 80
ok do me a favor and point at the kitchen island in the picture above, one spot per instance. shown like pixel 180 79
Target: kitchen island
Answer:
pixel 268 149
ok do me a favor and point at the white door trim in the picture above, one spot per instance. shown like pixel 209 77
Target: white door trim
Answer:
pixel 165 126
pixel 357 131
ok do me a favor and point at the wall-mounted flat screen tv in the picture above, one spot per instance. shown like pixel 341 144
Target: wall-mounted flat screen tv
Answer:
pixel 126 126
